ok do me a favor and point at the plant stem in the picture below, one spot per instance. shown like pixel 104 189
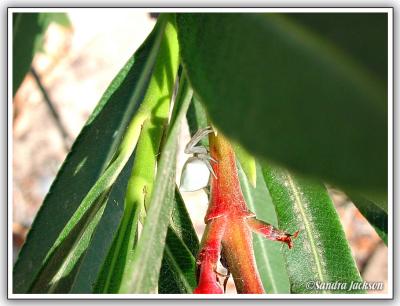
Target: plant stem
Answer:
pixel 229 227
pixel 227 199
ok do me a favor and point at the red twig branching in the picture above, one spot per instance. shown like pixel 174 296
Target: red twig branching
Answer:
pixel 229 227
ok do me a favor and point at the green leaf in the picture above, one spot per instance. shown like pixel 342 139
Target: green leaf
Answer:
pixel 85 170
pixel 197 119
pixel 103 236
pixel 373 212
pixel 28 33
pixel 380 199
pixel 27 38
pixel 61 265
pixel 321 253
pixel 178 268
pixel 159 93
pixel 182 225
pixel 138 191
pixel 298 89
pixel 146 265
pixel 79 256
pixel 247 162
pixel 269 256
pixel 118 268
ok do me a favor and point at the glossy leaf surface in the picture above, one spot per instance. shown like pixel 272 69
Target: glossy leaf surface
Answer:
pixel 90 155
pixel 321 253
pixel 150 248
pixel 298 89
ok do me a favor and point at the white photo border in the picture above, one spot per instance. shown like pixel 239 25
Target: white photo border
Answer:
pixel 388 295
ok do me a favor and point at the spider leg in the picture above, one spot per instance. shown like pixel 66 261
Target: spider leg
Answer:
pixel 212 159
pixel 206 159
pixel 220 274
pixel 225 276
pixel 196 138
pixel 200 150
pixel 226 279
pixel 228 272
pixel 207 162
pixel 205 156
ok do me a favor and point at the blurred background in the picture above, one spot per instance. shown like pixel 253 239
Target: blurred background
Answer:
pixel 67 79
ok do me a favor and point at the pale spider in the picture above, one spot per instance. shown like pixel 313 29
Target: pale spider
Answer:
pixel 197 169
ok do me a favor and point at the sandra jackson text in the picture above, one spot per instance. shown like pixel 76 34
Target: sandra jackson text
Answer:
pixel 337 285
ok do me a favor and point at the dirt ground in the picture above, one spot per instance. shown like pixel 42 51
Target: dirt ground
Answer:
pixel 75 68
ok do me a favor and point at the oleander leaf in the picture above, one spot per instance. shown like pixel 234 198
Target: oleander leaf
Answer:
pixel 73 266
pixel 197 119
pixel 27 39
pixel 298 89
pixel 28 33
pixel 248 163
pixel 178 269
pixel 373 212
pixel 321 253
pixel 145 268
pixel 117 270
pixel 89 169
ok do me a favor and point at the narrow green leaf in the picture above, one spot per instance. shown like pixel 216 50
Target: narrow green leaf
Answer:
pixel 178 268
pixel 373 212
pixel 321 253
pixel 137 194
pixel 82 174
pixel 61 265
pixel 182 225
pixel 120 260
pixel 298 89
pixel 82 251
pixel 197 118
pixel 27 37
pixel 89 268
pixel 380 199
pixel 248 163
pixel 269 256
pixel 149 251
pixel 155 108
pixel 28 33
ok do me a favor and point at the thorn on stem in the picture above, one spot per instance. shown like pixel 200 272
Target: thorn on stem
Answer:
pixel 288 238
pixel 272 233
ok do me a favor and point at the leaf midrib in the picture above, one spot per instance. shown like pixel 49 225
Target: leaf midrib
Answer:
pixel 57 277
pixel 308 227
pixel 182 277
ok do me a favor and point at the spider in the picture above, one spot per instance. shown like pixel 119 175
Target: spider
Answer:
pixel 197 169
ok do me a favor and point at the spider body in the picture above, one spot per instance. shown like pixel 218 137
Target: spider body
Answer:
pixel 197 169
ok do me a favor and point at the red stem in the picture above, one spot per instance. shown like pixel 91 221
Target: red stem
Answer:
pixel 208 256
pixel 229 223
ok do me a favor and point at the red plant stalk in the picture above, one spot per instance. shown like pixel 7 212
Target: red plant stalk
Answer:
pixel 229 227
